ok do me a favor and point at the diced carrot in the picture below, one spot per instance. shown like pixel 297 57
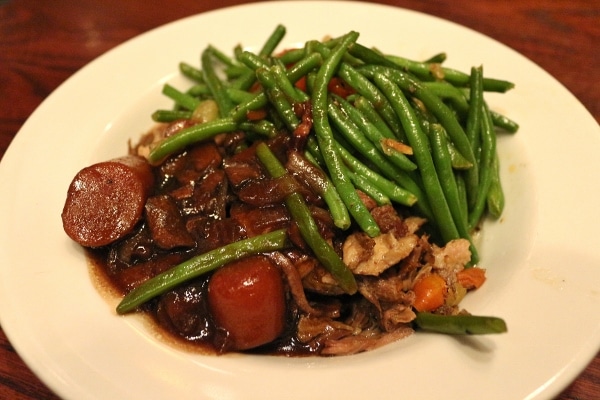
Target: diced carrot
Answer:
pixel 471 278
pixel 430 292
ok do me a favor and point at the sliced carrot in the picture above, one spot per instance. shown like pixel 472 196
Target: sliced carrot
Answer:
pixel 430 292
pixel 471 278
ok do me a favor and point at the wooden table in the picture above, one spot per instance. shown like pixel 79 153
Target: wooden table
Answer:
pixel 42 43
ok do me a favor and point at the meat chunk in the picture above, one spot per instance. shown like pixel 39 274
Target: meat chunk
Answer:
pixel 166 225
pixel 388 220
pixel 259 220
pixel 242 167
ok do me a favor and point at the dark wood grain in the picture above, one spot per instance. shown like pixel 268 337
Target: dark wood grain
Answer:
pixel 42 43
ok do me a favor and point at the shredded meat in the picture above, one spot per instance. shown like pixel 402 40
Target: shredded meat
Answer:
pixel 294 281
pixel 364 341
pixel 372 256
pixel 453 256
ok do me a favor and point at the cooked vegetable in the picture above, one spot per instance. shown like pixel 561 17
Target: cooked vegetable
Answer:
pixel 430 292
pixel 460 324
pixel 188 136
pixel 324 134
pixel 471 278
pixel 488 151
pixel 433 71
pixel 421 147
pixel 320 183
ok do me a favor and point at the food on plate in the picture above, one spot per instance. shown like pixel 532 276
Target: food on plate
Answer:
pixel 321 200
pixel 106 200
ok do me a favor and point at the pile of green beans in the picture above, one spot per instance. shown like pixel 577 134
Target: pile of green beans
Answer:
pixel 451 175
pixel 415 134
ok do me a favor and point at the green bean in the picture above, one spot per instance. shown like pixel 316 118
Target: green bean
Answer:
pixel 324 135
pixel 222 57
pixel 358 141
pixel 322 185
pixel 443 164
pixel 310 81
pixel 235 71
pixel 291 56
pixel 182 99
pixel 312 148
pixel 488 150
pixel 272 41
pixel 369 188
pixel 200 265
pixel 322 48
pixel 495 196
pixel 370 56
pixel 461 104
pixel 451 94
pixel 419 143
pixel 426 119
pixel 199 90
pixel 244 81
pixel 237 51
pixel 458 160
pixel 462 194
pixel 253 61
pixel 306 224
pixel 353 138
pixel 286 85
pixel 239 96
pixel 473 129
pixel 375 137
pixel 191 72
pixel 433 103
pixel 277 98
pixel 263 127
pixel 503 122
pixel 260 100
pixel 304 66
pixel 365 119
pixel 460 324
pixel 188 136
pixel 436 58
pixel 366 89
pixel 373 116
pixel 434 71
pixel 214 83
pixel 170 115
pixel 386 186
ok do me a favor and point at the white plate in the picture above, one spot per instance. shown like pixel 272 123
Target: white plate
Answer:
pixel 542 258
